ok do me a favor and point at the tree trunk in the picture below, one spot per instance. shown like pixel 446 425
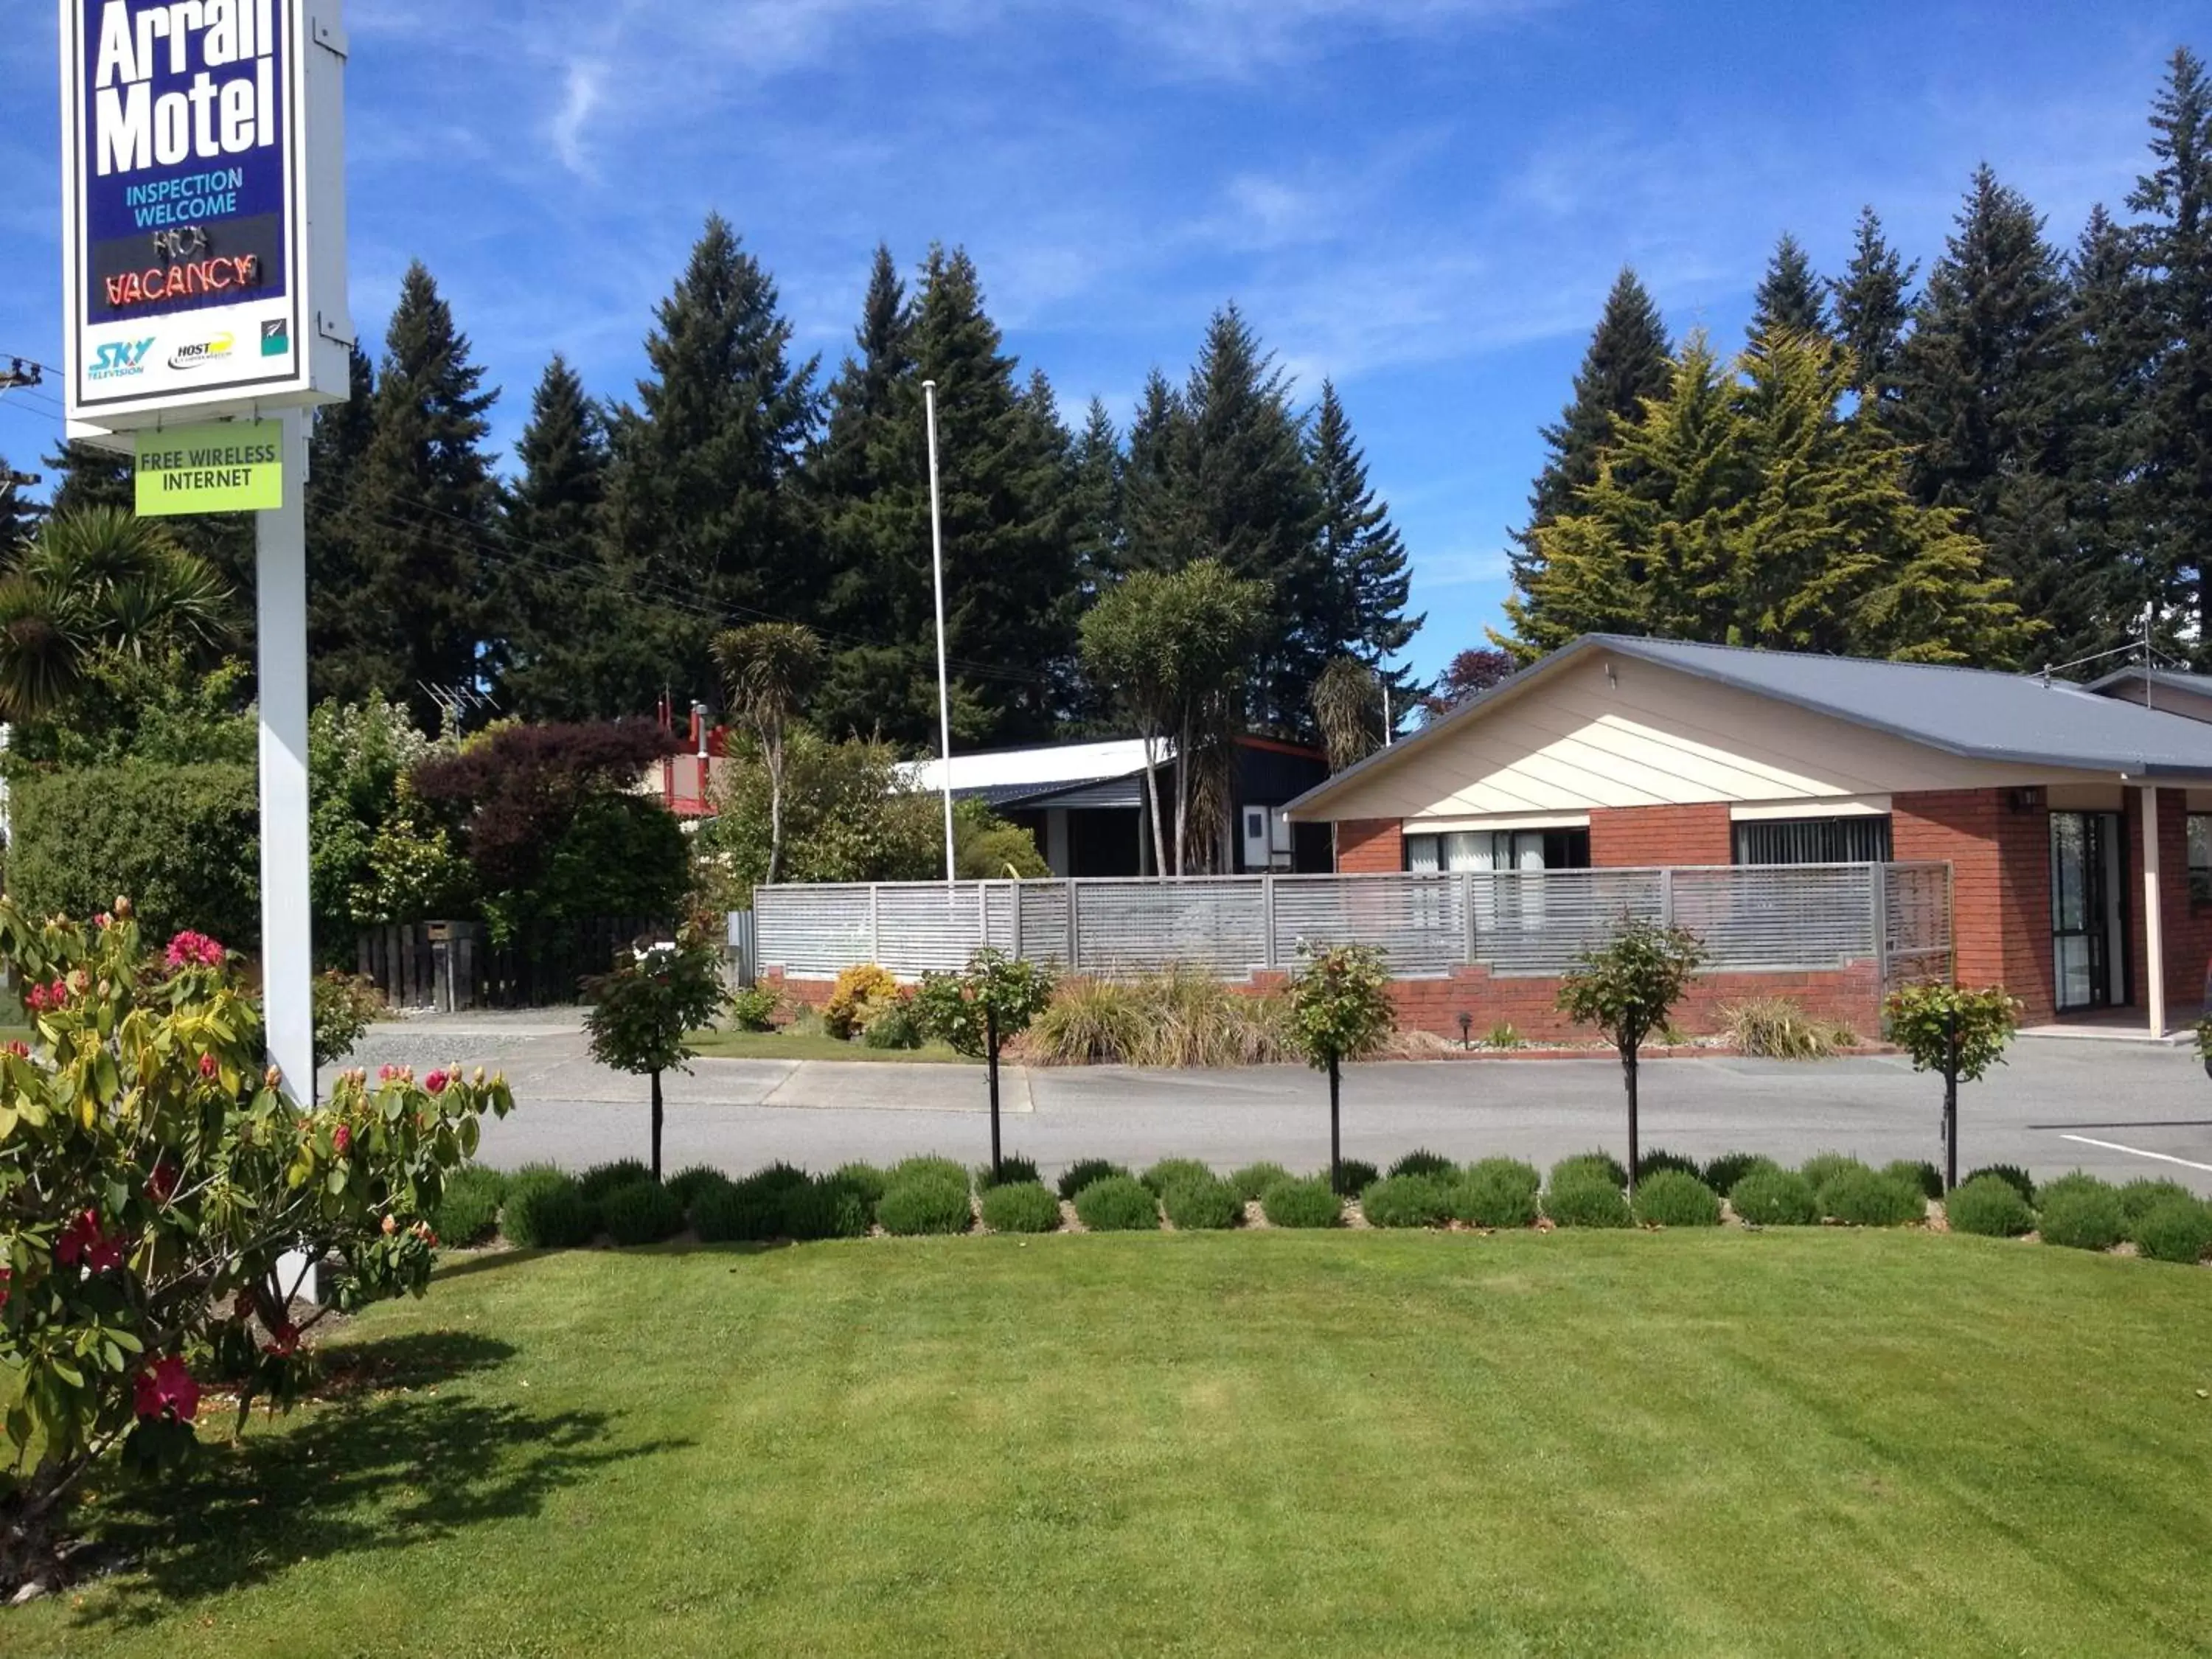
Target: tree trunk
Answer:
pixel 775 757
pixel 1182 791
pixel 1336 1136
pixel 1628 1077
pixel 656 1126
pixel 1152 799
pixel 991 1063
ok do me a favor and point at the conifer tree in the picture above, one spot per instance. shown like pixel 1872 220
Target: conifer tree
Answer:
pixel 1153 502
pixel 1872 308
pixel 1788 296
pixel 1746 509
pixel 2176 242
pixel 552 575
pixel 1626 362
pixel 1983 380
pixel 85 475
pixel 18 514
pixel 336 442
pixel 703 523
pixel 1364 616
pixel 423 516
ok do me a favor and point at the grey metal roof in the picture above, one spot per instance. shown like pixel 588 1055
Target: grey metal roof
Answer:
pixel 1042 794
pixel 2173 678
pixel 2019 718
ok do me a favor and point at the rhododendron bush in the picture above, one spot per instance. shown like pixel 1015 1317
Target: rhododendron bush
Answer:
pixel 153 1174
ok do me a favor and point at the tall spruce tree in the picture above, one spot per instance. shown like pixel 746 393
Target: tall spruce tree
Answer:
pixel 703 522
pixel 424 516
pixel 1873 305
pixel 2176 243
pixel 1790 296
pixel 1984 383
pixel 19 513
pixel 1364 616
pixel 1153 504
pixel 1748 509
pixel 338 440
pixel 552 573
pixel 1626 362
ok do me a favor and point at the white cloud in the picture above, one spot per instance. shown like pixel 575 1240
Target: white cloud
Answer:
pixel 585 80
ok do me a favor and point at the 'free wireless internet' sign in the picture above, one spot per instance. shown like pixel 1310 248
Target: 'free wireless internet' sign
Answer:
pixel 192 130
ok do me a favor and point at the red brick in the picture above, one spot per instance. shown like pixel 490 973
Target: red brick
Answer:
pixel 1642 837
pixel 1370 847
pixel 1997 842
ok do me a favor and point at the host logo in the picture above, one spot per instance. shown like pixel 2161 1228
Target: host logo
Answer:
pixel 201 354
pixel 113 362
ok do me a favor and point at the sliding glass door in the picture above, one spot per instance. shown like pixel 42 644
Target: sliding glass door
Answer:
pixel 2088 918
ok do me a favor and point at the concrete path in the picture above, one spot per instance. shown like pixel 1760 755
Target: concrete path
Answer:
pixel 2121 1110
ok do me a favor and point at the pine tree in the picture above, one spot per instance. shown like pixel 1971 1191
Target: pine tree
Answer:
pixel 1153 505
pixel 704 526
pixel 1788 296
pixel 89 474
pixel 423 516
pixel 1871 309
pixel 1365 616
pixel 1625 363
pixel 1983 381
pixel 552 573
pixel 337 443
pixel 2175 239
pixel 19 513
pixel 1746 509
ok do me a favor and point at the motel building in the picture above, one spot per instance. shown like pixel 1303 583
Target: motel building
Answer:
pixel 2075 822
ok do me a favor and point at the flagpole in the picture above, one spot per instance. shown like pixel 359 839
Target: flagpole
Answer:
pixel 943 683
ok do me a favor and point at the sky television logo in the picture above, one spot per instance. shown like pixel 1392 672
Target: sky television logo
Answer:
pixel 119 360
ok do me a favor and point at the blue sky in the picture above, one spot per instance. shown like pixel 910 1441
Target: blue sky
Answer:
pixel 1426 199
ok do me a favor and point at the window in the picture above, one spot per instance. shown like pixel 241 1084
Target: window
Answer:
pixel 1813 841
pixel 2200 858
pixel 1499 849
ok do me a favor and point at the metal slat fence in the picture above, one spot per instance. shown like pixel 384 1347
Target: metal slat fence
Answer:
pixel 1750 917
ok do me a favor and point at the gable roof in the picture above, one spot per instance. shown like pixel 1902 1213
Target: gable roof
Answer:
pixel 1978 713
pixel 2174 679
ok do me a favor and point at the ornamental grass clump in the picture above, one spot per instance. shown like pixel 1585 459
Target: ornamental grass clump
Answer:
pixel 925 1203
pixel 1650 1164
pixel 1253 1181
pixel 1169 1171
pixel 825 1207
pixel 1584 1197
pixel 1769 1196
pixel 643 1212
pixel 865 1179
pixel 687 1184
pixel 1021 1206
pixel 2174 1230
pixel 1916 1173
pixel 1991 1206
pixel 1118 1205
pixel 468 1209
pixel 2013 1176
pixel 1823 1167
pixel 1425 1163
pixel 1497 1192
pixel 2081 1213
pixel 1671 1198
pixel 601 1179
pixel 1406 1200
pixel 2142 1195
pixel 927 1163
pixel 1202 1204
pixel 1602 1164
pixel 1296 1203
pixel 1861 1197
pixel 1012 1170
pixel 1086 1170
pixel 1724 1172
pixel 1355 1175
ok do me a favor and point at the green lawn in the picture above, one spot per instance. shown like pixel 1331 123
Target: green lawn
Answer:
pixel 1788 1443
pixel 809 1045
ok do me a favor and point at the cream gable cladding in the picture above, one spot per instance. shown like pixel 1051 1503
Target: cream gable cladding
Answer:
pixel 1608 731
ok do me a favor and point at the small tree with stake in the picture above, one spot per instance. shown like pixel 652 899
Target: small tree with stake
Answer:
pixel 976 1011
pixel 1626 987
pixel 1958 1034
pixel 644 1009
pixel 1340 1009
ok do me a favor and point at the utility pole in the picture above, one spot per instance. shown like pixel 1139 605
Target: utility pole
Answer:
pixel 20 374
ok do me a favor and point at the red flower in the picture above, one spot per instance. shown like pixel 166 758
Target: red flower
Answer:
pixel 35 999
pixel 103 922
pixel 435 1083
pixel 161 1185
pixel 342 1139
pixel 386 1074
pixel 284 1340
pixel 191 949
pixel 208 1066
pixel 83 1240
pixel 166 1388
pixel 58 993
pixel 6 1275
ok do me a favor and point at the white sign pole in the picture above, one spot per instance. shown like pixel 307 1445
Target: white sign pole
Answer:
pixel 280 581
pixel 943 684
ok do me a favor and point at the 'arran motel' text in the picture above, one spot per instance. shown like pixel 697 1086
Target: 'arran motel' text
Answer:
pixel 228 108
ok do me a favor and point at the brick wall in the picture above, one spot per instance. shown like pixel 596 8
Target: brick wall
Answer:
pixel 2188 927
pixel 1370 847
pixel 2000 859
pixel 1641 836
pixel 1851 995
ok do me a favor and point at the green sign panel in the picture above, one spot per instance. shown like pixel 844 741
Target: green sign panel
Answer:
pixel 227 466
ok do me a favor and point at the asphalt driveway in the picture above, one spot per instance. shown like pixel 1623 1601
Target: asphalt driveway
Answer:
pixel 2119 1109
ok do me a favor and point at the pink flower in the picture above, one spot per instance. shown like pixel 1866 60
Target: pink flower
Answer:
pixel 166 1388
pixel 35 999
pixel 58 993
pixel 6 1290
pixel 208 1066
pixel 161 1185
pixel 103 922
pixel 435 1083
pixel 20 1049
pixel 191 949
pixel 83 1240
pixel 386 1074
pixel 342 1139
